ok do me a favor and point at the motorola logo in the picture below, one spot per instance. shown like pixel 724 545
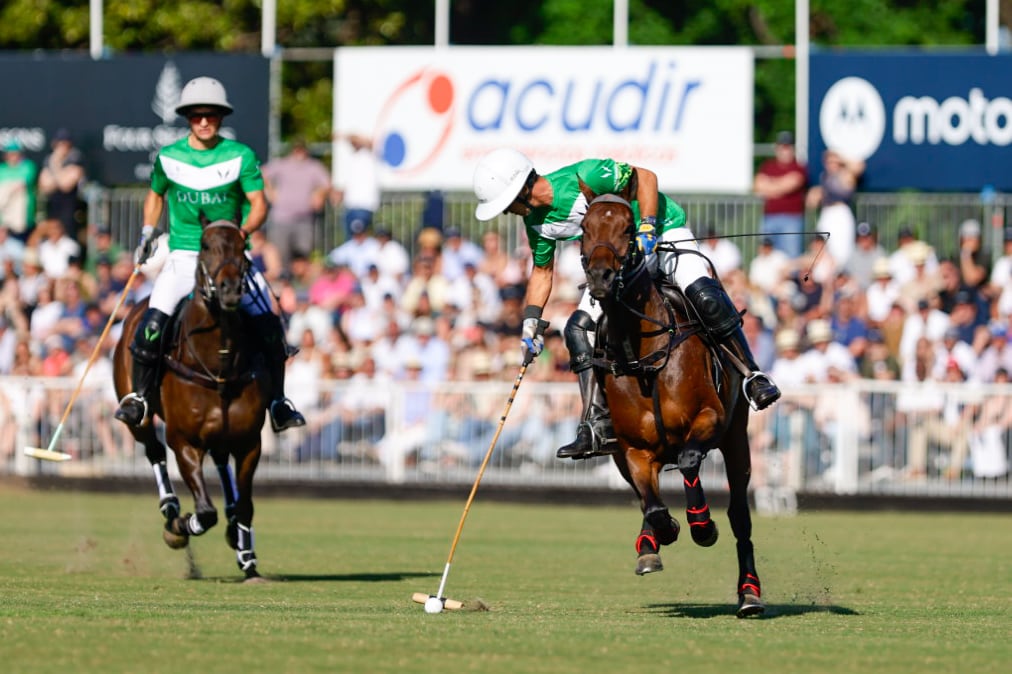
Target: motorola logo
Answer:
pixel 852 118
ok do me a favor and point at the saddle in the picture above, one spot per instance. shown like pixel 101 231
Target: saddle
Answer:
pixel 205 377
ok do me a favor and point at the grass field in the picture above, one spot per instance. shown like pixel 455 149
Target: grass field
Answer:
pixel 86 585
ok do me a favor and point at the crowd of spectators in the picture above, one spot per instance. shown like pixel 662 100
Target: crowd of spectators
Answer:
pixel 446 308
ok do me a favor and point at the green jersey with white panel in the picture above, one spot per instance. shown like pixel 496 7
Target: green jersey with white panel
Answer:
pixel 213 181
pixel 561 221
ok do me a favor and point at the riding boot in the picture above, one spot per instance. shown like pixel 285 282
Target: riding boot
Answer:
pixel 723 324
pixel 281 410
pixel 146 351
pixel 595 435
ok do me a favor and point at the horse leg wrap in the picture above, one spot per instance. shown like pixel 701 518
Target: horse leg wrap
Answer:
pixel 198 523
pixel 665 527
pixel 244 555
pixel 697 512
pixel 646 543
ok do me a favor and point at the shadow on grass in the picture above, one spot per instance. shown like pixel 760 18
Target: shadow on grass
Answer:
pixel 391 577
pixel 723 610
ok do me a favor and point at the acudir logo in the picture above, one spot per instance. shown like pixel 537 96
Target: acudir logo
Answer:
pixel 852 118
pixel 415 122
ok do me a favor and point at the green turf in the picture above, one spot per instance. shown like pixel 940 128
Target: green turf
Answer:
pixel 86 585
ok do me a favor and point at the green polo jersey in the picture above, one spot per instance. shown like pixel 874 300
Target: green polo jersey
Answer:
pixel 213 181
pixel 562 220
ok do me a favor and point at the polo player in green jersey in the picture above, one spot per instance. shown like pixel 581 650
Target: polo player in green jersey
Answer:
pixel 207 173
pixel 552 208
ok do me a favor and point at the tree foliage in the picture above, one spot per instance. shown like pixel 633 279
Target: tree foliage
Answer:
pixel 234 25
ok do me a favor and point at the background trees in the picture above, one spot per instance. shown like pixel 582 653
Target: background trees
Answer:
pixel 234 25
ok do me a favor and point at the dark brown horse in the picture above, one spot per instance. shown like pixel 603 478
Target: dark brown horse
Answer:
pixel 213 396
pixel 672 398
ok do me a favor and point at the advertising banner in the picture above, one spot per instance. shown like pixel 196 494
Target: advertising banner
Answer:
pixel 931 121
pixel 119 111
pixel 685 113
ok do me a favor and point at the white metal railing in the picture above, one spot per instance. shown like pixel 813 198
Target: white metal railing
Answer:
pixel 863 437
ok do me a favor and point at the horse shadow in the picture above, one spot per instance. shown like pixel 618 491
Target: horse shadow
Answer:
pixel 391 577
pixel 706 611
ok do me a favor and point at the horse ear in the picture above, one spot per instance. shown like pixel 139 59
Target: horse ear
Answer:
pixel 202 217
pixel 585 191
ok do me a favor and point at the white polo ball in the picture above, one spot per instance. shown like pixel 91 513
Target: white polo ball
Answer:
pixel 433 605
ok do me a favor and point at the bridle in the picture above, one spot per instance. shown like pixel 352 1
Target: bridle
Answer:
pixel 631 267
pixel 208 289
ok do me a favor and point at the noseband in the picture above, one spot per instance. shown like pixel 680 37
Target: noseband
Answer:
pixel 208 288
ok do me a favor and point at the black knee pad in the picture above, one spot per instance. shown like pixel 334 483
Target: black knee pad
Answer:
pixel 147 341
pixel 719 315
pixel 577 333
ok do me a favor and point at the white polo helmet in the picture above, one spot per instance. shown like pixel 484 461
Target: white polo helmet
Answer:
pixel 203 91
pixel 498 180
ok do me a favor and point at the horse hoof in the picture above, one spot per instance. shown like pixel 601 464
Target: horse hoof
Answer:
pixel 174 540
pixel 705 536
pixel 255 579
pixel 648 563
pixel 750 605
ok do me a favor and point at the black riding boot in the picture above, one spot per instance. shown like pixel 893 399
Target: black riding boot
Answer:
pixel 146 350
pixel 281 410
pixel 595 435
pixel 723 323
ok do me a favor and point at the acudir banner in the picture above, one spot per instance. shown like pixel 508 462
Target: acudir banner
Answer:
pixel 685 113
pixel 120 110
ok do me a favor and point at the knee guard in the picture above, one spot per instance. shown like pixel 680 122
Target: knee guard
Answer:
pixel 577 333
pixel 147 343
pixel 716 310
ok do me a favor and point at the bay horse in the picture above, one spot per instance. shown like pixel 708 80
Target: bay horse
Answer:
pixel 213 396
pixel 672 397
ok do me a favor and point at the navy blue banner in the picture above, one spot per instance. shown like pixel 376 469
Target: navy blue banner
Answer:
pixel 937 121
pixel 119 111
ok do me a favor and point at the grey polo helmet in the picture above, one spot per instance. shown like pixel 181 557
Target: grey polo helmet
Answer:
pixel 203 91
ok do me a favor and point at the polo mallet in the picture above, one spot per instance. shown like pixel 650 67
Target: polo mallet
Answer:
pixel 50 454
pixel 434 603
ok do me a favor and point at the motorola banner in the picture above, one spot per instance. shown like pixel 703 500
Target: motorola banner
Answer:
pixel 930 121
pixel 120 111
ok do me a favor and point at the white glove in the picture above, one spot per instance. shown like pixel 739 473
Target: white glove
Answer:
pixel 533 338
pixel 146 246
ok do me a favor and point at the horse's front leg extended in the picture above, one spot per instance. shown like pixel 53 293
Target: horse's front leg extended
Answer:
pixel 155 451
pixel 697 512
pixel 658 527
pixel 190 460
pixel 245 554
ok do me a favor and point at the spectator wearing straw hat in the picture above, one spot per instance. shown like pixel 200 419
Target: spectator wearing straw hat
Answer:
pixel 882 292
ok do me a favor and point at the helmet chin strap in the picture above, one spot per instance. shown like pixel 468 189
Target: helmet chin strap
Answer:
pixel 528 190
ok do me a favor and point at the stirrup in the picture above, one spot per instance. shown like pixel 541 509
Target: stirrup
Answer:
pixel 290 417
pixel 598 443
pixel 754 404
pixel 129 418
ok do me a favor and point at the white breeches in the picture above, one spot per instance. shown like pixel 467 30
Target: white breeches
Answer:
pixel 176 279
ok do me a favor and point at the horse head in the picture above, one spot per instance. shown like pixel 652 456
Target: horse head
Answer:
pixel 222 263
pixel 607 248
